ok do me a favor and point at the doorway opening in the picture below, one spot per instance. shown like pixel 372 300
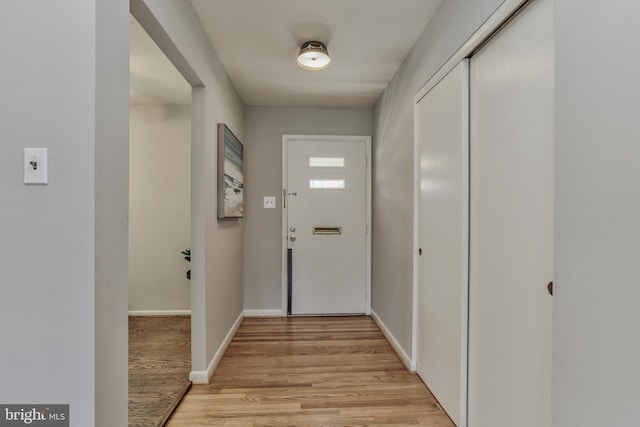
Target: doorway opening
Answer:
pixel 159 232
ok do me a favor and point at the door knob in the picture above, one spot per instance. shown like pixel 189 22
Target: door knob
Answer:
pixel 293 237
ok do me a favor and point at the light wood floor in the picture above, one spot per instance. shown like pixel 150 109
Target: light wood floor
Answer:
pixel 159 366
pixel 304 371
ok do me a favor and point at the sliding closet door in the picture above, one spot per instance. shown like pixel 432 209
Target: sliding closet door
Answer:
pixel 442 150
pixel 511 223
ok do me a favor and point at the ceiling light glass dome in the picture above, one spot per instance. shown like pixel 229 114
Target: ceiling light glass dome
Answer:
pixel 313 55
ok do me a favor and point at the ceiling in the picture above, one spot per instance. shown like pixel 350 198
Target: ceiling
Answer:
pixel 257 42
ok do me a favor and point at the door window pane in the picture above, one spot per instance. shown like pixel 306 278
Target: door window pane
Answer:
pixel 326 162
pixel 326 184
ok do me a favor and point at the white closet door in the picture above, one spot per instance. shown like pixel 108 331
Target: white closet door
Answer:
pixel 442 150
pixel 511 223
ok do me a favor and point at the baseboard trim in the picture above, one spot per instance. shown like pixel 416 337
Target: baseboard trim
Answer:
pixel 159 312
pixel 262 313
pixel 204 377
pixel 404 357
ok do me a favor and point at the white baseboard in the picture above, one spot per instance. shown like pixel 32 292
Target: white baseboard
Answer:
pixel 262 313
pixel 404 357
pixel 159 312
pixel 204 377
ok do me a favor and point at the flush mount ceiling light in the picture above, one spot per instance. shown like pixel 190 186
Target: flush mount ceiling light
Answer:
pixel 313 56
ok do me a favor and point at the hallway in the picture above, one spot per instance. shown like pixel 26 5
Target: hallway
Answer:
pixel 331 371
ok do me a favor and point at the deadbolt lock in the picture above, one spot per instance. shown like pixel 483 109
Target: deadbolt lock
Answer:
pixel 292 229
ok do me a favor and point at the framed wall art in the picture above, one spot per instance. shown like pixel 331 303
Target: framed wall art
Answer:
pixel 230 174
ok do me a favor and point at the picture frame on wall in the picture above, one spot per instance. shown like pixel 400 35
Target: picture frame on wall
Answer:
pixel 230 174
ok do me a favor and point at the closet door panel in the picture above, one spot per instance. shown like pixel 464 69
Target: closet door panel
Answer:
pixel 442 283
pixel 511 223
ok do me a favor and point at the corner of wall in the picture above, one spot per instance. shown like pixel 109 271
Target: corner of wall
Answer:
pixel 204 377
pixel 407 361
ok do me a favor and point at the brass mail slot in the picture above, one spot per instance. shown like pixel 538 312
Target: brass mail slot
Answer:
pixel 327 231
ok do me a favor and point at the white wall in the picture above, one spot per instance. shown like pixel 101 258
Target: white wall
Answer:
pixel 596 348
pixel 159 207
pixel 62 275
pixel 392 247
pixel 216 246
pixel 264 127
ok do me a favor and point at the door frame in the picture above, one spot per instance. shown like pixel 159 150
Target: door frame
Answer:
pixel 285 175
pixel 198 128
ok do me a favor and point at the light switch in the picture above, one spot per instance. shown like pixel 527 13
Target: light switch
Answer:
pixel 35 166
pixel 269 202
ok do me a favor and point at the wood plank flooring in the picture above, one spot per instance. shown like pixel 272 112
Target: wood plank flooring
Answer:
pixel 159 366
pixel 307 371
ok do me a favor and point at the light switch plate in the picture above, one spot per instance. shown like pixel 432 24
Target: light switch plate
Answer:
pixel 269 202
pixel 35 166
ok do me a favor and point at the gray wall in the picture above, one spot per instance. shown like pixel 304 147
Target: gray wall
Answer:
pixel 392 245
pixel 216 246
pixel 111 210
pixel 159 206
pixel 596 348
pixel 264 127
pixel 63 246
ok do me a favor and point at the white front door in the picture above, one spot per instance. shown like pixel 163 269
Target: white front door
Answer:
pixel 326 225
pixel 511 223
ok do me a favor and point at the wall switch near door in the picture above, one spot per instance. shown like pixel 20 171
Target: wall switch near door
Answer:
pixel 35 166
pixel 270 202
